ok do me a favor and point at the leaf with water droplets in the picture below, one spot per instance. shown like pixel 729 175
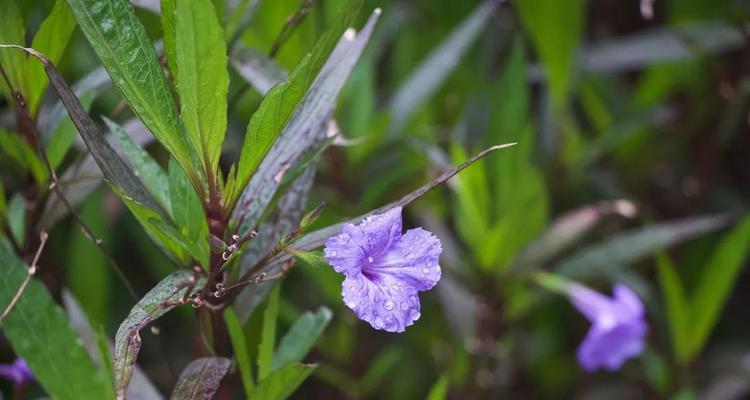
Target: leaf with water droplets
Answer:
pixel 162 298
pixel 201 379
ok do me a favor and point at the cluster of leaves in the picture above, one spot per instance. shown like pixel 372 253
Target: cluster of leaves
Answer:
pixel 233 229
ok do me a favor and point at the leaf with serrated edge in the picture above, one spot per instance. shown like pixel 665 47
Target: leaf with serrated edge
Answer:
pixel 201 379
pixel 153 305
pixel 203 80
pixel 121 44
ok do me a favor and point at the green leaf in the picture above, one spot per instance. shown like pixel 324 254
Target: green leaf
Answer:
pixel 439 390
pixel 555 28
pixel 203 80
pixel 278 105
pixel 64 134
pixel 305 132
pixel 433 71
pixel 121 44
pixel 170 46
pixel 676 307
pixel 150 172
pixel 187 211
pixel 632 246
pixel 157 302
pixel 312 259
pixel 301 337
pixel 50 40
pixel 145 216
pixel 317 238
pixel 717 282
pixel 281 383
pixel 3 205
pixel 176 237
pixel 40 333
pixel 201 378
pixel 20 153
pixel 12 30
pixel 268 334
pixel 88 272
pixel 241 354
pixel 17 219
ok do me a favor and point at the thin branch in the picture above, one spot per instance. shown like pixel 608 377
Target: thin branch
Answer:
pixel 29 274
pixel 28 122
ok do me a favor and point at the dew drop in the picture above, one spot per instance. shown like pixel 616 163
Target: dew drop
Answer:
pixel 413 299
pixel 404 306
pixel 426 271
pixel 388 305
pixel 415 314
pixel 351 304
pixel 333 253
pixel 369 259
pixel 378 323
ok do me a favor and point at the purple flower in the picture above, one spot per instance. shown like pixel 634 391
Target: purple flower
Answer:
pixel 617 330
pixel 385 270
pixel 18 372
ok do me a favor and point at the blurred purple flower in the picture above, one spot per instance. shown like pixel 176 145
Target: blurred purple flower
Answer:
pixel 18 372
pixel 617 330
pixel 385 270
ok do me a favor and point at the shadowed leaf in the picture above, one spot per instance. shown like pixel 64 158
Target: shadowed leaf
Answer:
pixel 201 379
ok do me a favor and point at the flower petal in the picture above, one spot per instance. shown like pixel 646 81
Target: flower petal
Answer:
pixel 387 304
pixel 626 297
pixel 609 348
pixel 346 251
pixel 592 304
pixel 381 231
pixel 413 259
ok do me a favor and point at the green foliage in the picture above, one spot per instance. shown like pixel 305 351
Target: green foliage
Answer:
pixel 555 28
pixel 39 331
pixel 301 337
pixel 280 102
pixel 188 214
pixel 268 336
pixel 202 79
pixel 239 345
pixel 201 378
pixel 280 384
pixel 120 42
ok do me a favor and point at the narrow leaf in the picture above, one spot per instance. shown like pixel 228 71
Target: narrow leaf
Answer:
pixel 717 282
pixel 301 337
pixel 12 30
pixel 40 333
pixel 433 71
pixel 17 219
pixel 203 80
pixel 257 68
pixel 241 354
pixel 187 211
pixel 676 307
pixel 281 383
pixel 121 44
pixel 439 390
pixel 162 298
pixel 151 173
pixel 268 335
pixel 110 163
pixel 635 245
pixel 278 105
pixel 306 127
pixel 50 40
pixel 201 379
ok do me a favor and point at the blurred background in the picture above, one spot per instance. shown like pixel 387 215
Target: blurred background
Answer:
pixel 632 165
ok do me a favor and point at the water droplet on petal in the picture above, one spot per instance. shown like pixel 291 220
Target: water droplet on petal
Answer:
pixel 404 306
pixel 426 271
pixel 369 259
pixel 378 323
pixel 388 305
pixel 414 314
pixel 333 253
pixel 413 298
pixel 351 304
